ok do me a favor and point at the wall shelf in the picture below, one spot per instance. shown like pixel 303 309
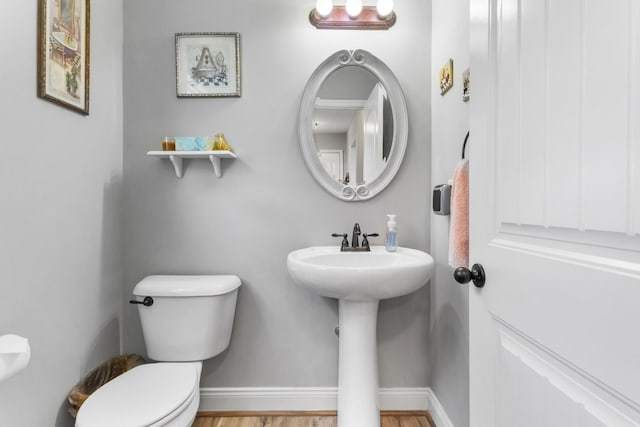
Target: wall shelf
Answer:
pixel 177 158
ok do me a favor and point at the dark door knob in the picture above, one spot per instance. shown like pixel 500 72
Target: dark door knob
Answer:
pixel 476 274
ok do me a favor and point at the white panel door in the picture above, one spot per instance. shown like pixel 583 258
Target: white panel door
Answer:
pixel 555 213
pixel 373 134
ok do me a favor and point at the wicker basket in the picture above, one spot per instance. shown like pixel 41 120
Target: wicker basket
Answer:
pixel 100 376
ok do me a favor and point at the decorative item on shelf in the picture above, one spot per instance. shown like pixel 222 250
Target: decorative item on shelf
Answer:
pixel 168 143
pixel 446 77
pixel 353 15
pixel 193 143
pixel 221 143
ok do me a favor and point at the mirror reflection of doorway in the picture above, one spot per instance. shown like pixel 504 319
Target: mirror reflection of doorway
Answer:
pixel 358 128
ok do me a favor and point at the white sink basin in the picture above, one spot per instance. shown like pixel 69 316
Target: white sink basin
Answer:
pixel 359 280
pixel 360 275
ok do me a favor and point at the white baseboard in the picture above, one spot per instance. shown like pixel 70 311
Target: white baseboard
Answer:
pixel 440 417
pixel 316 399
pixel 268 399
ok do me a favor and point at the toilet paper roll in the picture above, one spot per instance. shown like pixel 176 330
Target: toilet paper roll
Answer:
pixel 14 355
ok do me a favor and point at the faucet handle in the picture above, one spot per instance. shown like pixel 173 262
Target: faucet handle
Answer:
pixel 365 241
pixel 345 242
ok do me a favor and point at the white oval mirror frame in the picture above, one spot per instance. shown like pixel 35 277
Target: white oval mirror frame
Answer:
pixel 366 60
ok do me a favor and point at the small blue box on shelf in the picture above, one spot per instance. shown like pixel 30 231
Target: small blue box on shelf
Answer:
pixel 193 143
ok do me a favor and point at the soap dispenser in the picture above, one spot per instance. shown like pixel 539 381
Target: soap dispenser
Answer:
pixel 391 236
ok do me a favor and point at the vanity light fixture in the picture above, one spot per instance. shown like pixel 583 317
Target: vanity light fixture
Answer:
pixel 353 15
pixel 353 8
pixel 384 8
pixel 324 7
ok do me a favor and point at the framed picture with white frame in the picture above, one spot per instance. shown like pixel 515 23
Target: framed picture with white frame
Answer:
pixel 207 65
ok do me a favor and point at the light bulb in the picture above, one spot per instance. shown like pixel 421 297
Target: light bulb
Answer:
pixel 353 7
pixel 384 8
pixel 324 7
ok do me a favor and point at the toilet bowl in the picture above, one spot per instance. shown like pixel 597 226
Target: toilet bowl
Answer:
pixel 189 320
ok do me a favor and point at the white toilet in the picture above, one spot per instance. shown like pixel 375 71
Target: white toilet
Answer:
pixel 185 320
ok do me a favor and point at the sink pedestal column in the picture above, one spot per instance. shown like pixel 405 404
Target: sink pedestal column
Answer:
pixel 358 401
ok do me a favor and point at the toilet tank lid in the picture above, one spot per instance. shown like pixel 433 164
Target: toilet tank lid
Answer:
pixel 186 286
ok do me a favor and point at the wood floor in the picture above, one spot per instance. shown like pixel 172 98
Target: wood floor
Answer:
pixel 304 419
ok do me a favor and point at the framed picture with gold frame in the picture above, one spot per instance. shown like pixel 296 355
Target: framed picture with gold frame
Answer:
pixel 446 77
pixel 63 53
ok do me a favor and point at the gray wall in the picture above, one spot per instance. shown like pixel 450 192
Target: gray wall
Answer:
pixel 266 204
pixel 449 300
pixel 60 222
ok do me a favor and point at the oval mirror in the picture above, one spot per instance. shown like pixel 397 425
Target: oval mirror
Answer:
pixel 353 125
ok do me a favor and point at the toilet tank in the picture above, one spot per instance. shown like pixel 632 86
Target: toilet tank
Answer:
pixel 191 317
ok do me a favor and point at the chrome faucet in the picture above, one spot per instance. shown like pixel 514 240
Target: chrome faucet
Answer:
pixel 355 244
pixel 354 236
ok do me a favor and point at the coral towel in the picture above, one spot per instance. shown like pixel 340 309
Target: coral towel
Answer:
pixel 459 230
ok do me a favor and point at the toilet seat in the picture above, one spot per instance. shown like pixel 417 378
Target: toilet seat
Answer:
pixel 146 396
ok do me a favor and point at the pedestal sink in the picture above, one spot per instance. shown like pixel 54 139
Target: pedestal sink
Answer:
pixel 359 280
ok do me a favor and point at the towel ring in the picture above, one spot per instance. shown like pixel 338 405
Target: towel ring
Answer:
pixel 464 146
